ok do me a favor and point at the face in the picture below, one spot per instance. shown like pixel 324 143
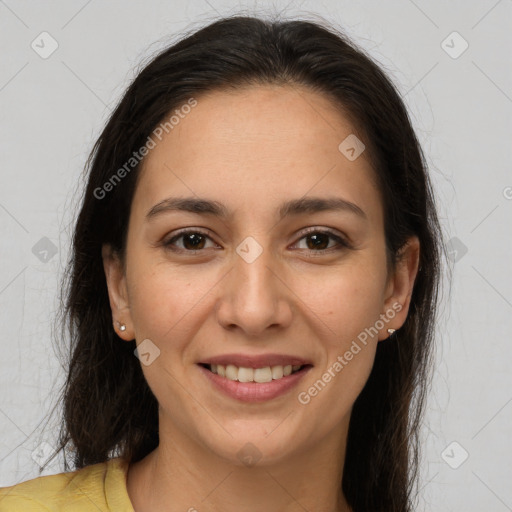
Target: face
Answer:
pixel 261 277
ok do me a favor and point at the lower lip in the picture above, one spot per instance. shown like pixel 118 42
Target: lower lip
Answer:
pixel 255 391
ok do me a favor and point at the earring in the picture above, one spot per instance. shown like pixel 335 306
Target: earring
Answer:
pixel 391 331
pixel 122 327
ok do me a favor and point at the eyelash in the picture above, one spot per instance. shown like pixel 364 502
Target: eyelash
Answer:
pixel 342 243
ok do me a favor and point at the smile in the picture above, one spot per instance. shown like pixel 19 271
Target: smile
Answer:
pixel 260 375
pixel 251 385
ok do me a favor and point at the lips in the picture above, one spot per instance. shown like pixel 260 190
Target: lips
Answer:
pixel 254 391
pixel 254 378
pixel 259 361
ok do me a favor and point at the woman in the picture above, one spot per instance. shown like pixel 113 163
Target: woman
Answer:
pixel 253 286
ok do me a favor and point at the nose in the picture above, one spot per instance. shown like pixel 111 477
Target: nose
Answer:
pixel 254 297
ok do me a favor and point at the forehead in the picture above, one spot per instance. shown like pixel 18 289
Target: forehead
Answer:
pixel 257 145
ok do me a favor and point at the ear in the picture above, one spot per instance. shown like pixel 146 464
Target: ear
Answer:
pixel 400 286
pixel 117 293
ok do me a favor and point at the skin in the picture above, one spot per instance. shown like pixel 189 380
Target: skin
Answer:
pixel 251 150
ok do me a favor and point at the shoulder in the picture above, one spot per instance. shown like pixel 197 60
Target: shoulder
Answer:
pixel 99 487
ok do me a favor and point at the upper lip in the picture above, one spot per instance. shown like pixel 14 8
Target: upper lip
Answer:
pixel 256 361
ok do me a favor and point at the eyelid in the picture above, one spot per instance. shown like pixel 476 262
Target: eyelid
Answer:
pixel 166 241
pixel 341 239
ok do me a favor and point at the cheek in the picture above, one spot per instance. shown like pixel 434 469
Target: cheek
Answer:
pixel 158 300
pixel 168 305
pixel 346 307
pixel 345 300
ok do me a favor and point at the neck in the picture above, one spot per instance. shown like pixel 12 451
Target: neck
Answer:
pixel 181 475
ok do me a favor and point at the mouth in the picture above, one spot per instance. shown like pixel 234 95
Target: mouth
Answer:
pixel 260 375
pixel 254 379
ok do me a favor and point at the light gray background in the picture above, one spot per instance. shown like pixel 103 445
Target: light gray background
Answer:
pixel 53 109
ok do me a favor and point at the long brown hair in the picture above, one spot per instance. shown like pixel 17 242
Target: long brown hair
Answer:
pixel 108 408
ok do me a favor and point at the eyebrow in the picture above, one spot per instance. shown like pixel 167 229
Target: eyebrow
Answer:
pixel 288 208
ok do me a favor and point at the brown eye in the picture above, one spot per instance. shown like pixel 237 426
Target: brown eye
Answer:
pixel 318 241
pixel 191 241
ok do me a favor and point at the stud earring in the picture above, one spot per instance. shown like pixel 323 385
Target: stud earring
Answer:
pixel 391 331
pixel 122 327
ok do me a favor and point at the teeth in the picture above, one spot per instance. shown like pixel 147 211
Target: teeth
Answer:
pixel 245 375
pixel 277 372
pixel 231 372
pixel 266 374
pixel 263 374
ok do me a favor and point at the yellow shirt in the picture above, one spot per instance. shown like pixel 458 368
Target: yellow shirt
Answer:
pixel 96 488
